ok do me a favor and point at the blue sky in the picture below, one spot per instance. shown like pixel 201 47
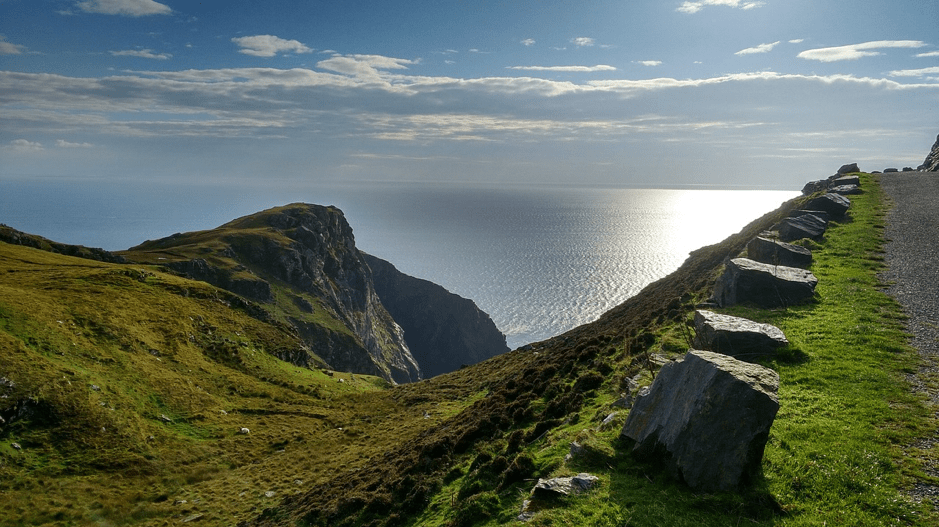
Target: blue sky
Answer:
pixel 733 93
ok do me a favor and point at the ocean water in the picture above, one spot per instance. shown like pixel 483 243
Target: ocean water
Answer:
pixel 539 260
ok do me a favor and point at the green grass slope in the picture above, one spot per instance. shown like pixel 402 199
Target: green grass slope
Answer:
pixel 123 391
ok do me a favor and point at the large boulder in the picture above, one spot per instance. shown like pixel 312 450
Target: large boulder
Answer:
pixel 846 180
pixel 707 417
pixel 776 252
pixel 804 226
pixel 834 204
pixel 748 281
pixel 815 186
pixel 846 190
pixel 740 338
pixel 931 164
pixel 848 169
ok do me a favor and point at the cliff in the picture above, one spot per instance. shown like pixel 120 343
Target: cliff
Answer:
pixel 444 331
pixel 931 164
pixel 301 264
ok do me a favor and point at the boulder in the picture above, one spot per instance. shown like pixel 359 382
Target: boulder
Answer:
pixel 848 169
pixel 845 180
pixel 748 281
pixel 776 252
pixel 818 213
pixel 908 169
pixel 814 186
pixel 846 190
pixel 890 170
pixel 738 337
pixel 931 164
pixel 569 486
pixel 804 226
pixel 834 204
pixel 707 417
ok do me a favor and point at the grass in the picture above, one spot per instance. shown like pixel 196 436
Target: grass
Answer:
pixel 461 449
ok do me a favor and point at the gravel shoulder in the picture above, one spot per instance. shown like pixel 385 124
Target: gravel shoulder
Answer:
pixel 912 259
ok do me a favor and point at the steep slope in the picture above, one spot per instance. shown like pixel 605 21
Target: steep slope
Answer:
pixel 443 331
pixel 300 263
pixel 132 396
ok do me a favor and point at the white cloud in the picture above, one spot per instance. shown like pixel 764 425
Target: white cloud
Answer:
pixel 929 54
pixel 528 42
pixel 7 48
pixel 649 62
pixel 268 45
pixel 762 48
pixel 61 143
pixel 695 6
pixel 142 53
pixel 856 51
pixel 576 69
pixel 797 41
pixel 915 73
pixel 23 145
pixel 583 41
pixel 124 7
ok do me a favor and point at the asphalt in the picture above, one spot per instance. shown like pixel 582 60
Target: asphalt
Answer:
pixel 912 259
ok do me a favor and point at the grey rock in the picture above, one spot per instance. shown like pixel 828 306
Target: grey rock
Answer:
pixel 846 190
pixel 804 226
pixel 847 169
pixel 568 486
pixel 707 418
pixel 907 169
pixel 776 252
pixel 845 180
pixel 740 338
pixel 608 421
pixel 16 446
pixel 834 204
pixel 822 215
pixel 890 170
pixel 815 186
pixel 931 164
pixel 749 281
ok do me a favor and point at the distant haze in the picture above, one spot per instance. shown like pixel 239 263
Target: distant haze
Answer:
pixel 707 93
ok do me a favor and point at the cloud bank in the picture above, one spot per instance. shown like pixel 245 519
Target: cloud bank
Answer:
pixel 857 51
pixel 692 7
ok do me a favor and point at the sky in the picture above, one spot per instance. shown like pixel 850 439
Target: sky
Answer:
pixel 647 93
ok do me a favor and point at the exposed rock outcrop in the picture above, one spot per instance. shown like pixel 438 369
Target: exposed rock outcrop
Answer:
pixel 834 204
pixel 740 338
pixel 749 281
pixel 299 260
pixel 708 418
pixel 931 164
pixel 444 331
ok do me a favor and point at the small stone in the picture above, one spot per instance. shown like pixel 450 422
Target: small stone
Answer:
pixel 270 494
pixel 608 421
pixel 16 446
pixel 244 431
pixel 165 419
pixel 95 387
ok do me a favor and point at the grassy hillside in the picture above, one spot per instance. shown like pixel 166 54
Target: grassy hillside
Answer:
pixel 99 353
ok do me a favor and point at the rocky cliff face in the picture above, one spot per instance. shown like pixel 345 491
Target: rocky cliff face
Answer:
pixel 300 261
pixel 443 331
pixel 931 164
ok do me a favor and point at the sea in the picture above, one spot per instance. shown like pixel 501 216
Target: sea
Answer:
pixel 539 260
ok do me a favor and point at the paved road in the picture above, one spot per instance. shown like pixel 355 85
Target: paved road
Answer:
pixel 913 269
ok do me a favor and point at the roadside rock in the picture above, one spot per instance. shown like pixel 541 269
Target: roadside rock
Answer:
pixel 707 417
pixel 846 180
pixel 848 169
pixel 846 190
pixel 814 186
pixel 931 164
pixel 776 252
pixel 834 204
pixel 748 281
pixel 824 216
pixel 740 338
pixel 804 226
